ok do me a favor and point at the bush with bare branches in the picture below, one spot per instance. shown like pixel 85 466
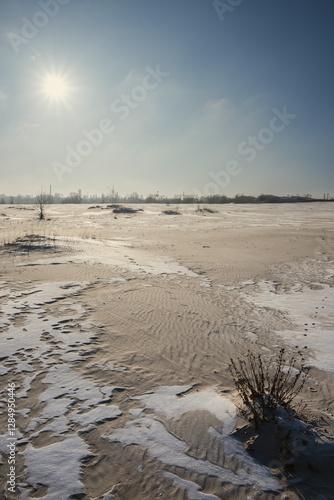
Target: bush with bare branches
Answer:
pixel 41 200
pixel 264 390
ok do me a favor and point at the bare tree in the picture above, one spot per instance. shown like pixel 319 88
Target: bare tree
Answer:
pixel 41 200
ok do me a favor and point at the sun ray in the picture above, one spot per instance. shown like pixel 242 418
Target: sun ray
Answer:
pixel 55 87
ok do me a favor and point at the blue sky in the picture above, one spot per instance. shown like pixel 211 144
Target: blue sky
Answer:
pixel 174 96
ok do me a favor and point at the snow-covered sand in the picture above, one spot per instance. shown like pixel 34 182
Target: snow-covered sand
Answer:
pixel 118 332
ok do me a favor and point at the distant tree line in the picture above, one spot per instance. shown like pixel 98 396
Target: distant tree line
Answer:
pixel 114 197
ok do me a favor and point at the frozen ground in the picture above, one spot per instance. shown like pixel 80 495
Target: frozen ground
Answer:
pixel 47 346
pixel 118 334
pixel 311 310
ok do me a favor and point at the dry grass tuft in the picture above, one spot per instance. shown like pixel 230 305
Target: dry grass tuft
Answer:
pixel 265 390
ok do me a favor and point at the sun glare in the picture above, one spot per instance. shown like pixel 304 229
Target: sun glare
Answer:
pixel 55 87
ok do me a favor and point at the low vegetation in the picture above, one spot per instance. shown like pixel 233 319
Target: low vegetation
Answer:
pixel 171 212
pixel 205 209
pixel 41 200
pixel 30 243
pixel 265 390
pixel 119 209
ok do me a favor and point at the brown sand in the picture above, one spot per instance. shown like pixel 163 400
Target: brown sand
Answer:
pixel 168 294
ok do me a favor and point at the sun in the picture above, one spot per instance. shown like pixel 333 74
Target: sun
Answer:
pixel 55 87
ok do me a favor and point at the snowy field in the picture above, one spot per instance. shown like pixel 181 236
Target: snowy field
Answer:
pixel 117 334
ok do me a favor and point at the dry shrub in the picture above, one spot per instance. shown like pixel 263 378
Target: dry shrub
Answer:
pixel 265 390
pixel 41 200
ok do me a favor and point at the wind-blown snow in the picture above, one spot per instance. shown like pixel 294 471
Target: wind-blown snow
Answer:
pixel 167 400
pixel 57 466
pixel 100 414
pixel 193 490
pixel 28 348
pixel 155 267
pixel 312 311
pixel 150 433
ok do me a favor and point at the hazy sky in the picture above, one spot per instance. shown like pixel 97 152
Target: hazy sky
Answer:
pixel 167 95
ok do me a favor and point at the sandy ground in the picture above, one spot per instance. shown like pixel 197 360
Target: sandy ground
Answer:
pixel 117 331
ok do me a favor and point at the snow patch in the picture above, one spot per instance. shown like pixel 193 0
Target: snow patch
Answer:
pixel 57 466
pixel 98 415
pixel 167 400
pixel 312 311
pixel 148 432
pixel 193 490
